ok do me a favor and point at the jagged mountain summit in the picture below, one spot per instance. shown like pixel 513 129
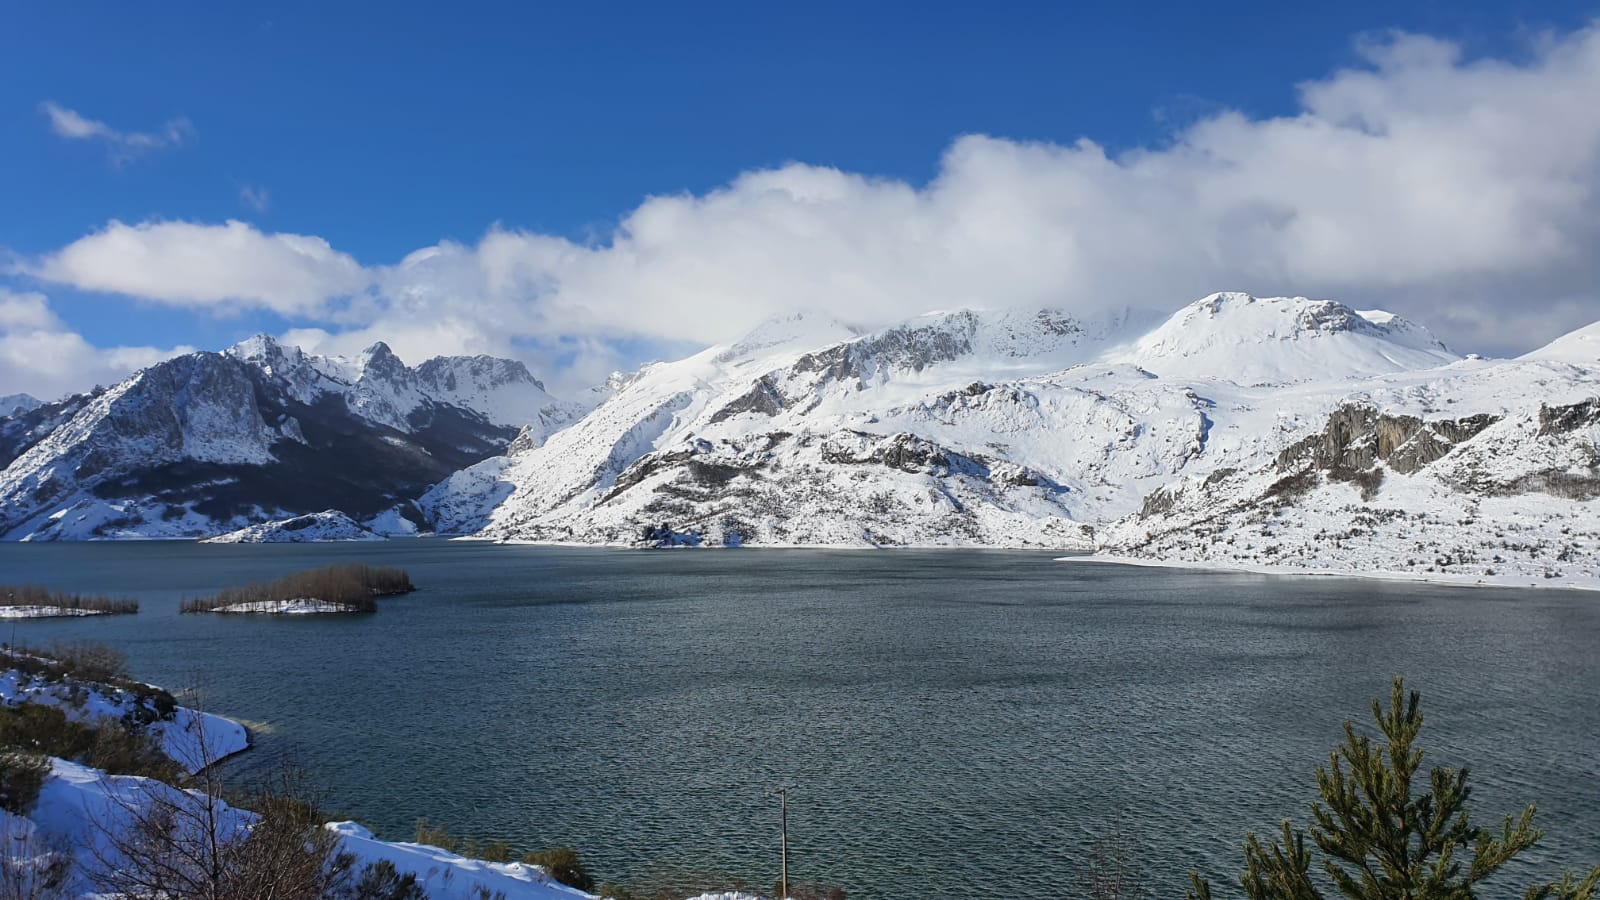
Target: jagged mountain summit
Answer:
pixel 212 442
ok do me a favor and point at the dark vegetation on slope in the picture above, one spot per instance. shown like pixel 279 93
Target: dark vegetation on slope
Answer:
pixel 92 663
pixel 351 585
pixel 31 732
pixel 34 595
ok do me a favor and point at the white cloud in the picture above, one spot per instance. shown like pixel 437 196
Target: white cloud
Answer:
pixel 1465 194
pixel 40 355
pixel 226 266
pixel 257 199
pixel 123 145
pixel 1462 193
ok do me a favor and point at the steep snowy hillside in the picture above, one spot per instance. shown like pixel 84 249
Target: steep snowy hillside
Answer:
pixel 1013 429
pixel 986 428
pixel 212 442
pixel 1480 472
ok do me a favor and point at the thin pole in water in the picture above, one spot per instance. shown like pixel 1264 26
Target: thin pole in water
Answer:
pixel 783 808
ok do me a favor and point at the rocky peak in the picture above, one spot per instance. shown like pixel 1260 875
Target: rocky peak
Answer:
pixel 448 373
pixel 379 361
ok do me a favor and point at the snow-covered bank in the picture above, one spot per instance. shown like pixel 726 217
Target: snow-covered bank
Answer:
pixel 297 607
pixel 47 612
pixel 449 876
pixel 190 737
pixel 1293 570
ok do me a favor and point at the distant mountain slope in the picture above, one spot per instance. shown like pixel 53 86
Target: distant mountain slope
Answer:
pixel 1486 472
pixel 1579 348
pixel 11 404
pixel 210 442
pixel 973 428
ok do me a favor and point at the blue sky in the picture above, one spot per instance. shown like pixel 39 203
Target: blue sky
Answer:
pixel 384 129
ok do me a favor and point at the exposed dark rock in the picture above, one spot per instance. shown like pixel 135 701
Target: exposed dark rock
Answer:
pixel 1358 437
pixel 1563 419
pixel 763 398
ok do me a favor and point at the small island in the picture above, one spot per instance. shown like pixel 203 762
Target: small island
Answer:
pixel 30 601
pixel 339 588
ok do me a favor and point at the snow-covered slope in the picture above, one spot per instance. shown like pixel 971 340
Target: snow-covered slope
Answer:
pixel 1579 348
pixel 979 428
pixel 212 442
pixel 1483 472
pixel 1283 340
pixel 328 525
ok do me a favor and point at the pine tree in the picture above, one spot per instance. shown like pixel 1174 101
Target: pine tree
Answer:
pixel 1381 842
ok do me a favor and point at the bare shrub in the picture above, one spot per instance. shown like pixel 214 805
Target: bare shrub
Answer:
pixel 563 865
pixel 35 595
pixel 31 868
pixel 1111 871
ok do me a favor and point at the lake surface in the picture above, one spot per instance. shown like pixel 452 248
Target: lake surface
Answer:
pixel 949 723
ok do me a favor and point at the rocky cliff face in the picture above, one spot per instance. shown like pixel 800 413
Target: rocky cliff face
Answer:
pixel 214 441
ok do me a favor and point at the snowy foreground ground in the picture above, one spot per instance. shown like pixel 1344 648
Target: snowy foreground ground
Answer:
pixel 77 804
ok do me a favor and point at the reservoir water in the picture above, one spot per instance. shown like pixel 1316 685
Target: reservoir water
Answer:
pixel 948 723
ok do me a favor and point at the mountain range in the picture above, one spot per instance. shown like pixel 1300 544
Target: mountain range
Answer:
pixel 1239 431
pixel 210 442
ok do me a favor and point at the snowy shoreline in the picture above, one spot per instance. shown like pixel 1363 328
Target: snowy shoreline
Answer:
pixel 76 802
pixel 296 607
pixel 48 612
pixel 1521 582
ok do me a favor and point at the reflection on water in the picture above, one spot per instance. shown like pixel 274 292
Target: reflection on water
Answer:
pixel 939 717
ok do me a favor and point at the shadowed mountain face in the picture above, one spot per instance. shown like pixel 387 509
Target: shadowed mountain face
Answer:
pixel 209 442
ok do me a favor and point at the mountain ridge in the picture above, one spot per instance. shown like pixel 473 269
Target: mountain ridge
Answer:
pixel 213 441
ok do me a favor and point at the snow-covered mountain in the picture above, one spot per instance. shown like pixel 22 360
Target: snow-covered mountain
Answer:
pixel 1251 340
pixel 1037 429
pixel 1239 431
pixel 210 442
pixel 11 404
